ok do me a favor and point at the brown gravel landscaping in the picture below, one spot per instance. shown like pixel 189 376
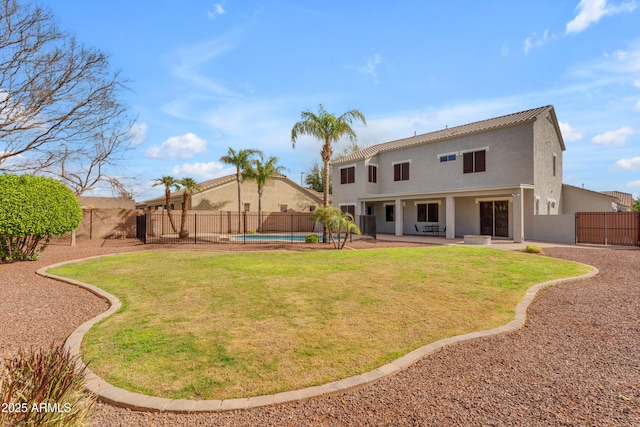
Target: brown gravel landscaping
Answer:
pixel 576 362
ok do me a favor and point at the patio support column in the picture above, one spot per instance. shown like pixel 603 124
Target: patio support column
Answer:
pixel 518 216
pixel 451 217
pixel 399 217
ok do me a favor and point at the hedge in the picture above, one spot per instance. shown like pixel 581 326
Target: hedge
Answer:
pixel 32 210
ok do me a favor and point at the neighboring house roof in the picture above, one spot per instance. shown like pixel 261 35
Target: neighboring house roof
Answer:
pixel 626 199
pixel 217 182
pixel 509 120
pixel 106 202
pixel 598 193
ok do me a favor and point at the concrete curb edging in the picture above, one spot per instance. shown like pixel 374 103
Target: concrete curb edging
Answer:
pixel 140 402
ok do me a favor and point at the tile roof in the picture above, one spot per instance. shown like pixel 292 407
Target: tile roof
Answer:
pixel 468 129
pixel 216 182
pixel 626 199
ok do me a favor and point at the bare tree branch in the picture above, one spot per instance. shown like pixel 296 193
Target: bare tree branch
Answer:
pixel 60 112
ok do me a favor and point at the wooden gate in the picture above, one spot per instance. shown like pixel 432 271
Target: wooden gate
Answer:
pixel 608 228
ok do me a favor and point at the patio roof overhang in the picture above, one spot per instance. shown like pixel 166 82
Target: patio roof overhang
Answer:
pixel 465 192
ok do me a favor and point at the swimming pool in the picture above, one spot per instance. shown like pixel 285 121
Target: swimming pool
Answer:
pixel 297 238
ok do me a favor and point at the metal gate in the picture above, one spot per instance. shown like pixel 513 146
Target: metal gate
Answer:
pixel 608 228
pixel 141 228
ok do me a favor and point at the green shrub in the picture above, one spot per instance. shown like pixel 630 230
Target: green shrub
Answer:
pixel 43 387
pixel 533 249
pixel 311 238
pixel 32 209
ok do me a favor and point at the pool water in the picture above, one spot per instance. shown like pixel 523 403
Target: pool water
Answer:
pixel 272 237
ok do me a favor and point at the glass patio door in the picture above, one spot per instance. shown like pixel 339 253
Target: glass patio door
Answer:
pixel 494 218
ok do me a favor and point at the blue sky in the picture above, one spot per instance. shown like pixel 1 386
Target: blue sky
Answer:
pixel 209 75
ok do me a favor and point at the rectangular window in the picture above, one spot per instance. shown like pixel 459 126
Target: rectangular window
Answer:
pixel 427 212
pixel 247 207
pixel 422 212
pixel 554 164
pixel 348 175
pixel 449 158
pixel 433 212
pixel 389 213
pixel 373 173
pixel 474 162
pixel 401 171
pixel 283 208
pixel 350 209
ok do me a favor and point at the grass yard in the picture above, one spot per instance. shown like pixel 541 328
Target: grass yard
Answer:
pixel 216 325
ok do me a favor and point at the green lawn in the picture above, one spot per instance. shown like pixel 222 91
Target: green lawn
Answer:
pixel 216 325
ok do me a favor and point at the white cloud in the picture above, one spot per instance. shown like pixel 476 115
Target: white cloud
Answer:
pixel 590 12
pixel 178 147
pixel 372 63
pixel 569 133
pixel 504 50
pixel 217 11
pixel 637 84
pixel 633 184
pixel 614 138
pixel 629 164
pixel 535 41
pixel 202 171
pixel 138 133
pixel 637 106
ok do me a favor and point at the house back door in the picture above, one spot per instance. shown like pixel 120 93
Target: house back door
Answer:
pixel 494 218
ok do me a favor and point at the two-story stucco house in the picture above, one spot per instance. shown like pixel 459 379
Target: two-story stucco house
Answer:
pixel 489 177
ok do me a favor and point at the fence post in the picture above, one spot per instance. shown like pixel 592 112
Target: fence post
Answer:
pixel 606 228
pixel 195 228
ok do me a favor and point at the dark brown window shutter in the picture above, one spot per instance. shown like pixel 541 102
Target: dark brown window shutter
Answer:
pixel 467 163
pixel 405 171
pixel 480 161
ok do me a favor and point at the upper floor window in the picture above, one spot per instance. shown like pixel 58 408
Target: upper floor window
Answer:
pixel 348 175
pixel 555 161
pixel 401 171
pixel 474 161
pixel 373 173
pixel 447 158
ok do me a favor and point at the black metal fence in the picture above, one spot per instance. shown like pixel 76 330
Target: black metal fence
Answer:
pixel 229 227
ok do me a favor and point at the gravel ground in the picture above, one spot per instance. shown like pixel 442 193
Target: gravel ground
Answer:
pixel 575 362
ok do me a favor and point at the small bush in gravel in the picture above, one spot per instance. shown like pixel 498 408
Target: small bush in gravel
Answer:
pixel 311 238
pixel 533 249
pixel 32 210
pixel 43 387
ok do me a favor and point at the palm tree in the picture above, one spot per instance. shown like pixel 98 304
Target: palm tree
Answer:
pixel 261 172
pixel 335 221
pixel 189 185
pixel 241 159
pixel 328 128
pixel 168 182
pixel 345 221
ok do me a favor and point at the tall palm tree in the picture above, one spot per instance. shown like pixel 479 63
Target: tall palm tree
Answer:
pixel 189 185
pixel 261 172
pixel 329 129
pixel 241 159
pixel 168 182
